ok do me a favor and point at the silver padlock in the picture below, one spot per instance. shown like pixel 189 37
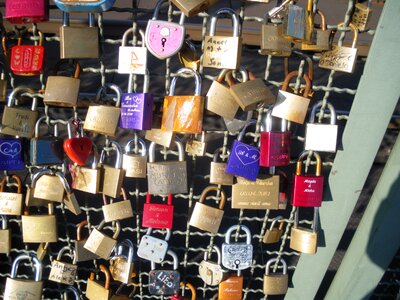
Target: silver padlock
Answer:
pixel 121 265
pixel 135 164
pixel 152 248
pixel 164 282
pixel 237 256
pixel 211 272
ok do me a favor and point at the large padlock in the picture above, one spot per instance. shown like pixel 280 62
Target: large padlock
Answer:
pixel 81 254
pixel 19 121
pixel 244 159
pixel 164 282
pixel 96 291
pixel 47 186
pixel 167 177
pixel 77 147
pixel 132 59
pixel 206 217
pixel 62 90
pixel 276 283
pixel 237 256
pixel 3 83
pixel 11 154
pixel 272 41
pixel 164 39
pixel 273 233
pixel 183 113
pixel 193 7
pixel 88 37
pixel 27 289
pixel 5 236
pixel 341 58
pixel 40 228
pixel 321 39
pixel 361 15
pixel 63 272
pixel 290 106
pixel 298 23
pixel 69 199
pixel 158 215
pixel 307 189
pixel 84 5
pixel 321 137
pixel 212 273
pixel 231 288
pixel 303 239
pixel 27 11
pixel 223 52
pixel 117 210
pixel 135 164
pixel 274 145
pixel 121 265
pixel 101 244
pixel 87 179
pixel 217 170
pixel 152 248
pixel 11 202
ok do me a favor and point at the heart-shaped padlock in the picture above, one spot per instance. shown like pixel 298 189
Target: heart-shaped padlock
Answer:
pixel 77 149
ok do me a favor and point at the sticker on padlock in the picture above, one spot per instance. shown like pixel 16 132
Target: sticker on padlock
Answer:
pixel 237 256
pixel 121 265
pixel 212 273
pixel 132 59
pixel 158 215
pixel 275 283
pixel 135 164
pixel 11 203
pixel 164 282
pixel 303 239
pixel 152 248
pixel 63 272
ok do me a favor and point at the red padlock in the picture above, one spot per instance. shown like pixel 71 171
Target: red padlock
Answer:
pixel 307 189
pixel 77 147
pixel 158 215
pixel 27 11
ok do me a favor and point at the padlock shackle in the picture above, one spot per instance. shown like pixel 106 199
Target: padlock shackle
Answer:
pixel 127 243
pixel 37 265
pixel 152 150
pixel 273 222
pixel 242 70
pixel 64 182
pixel 191 288
pixel 63 250
pixel 72 290
pixel 186 71
pixel 169 198
pixel 225 11
pixel 117 147
pixel 277 9
pixel 309 61
pixel 157 8
pixel 314 225
pixel 4 224
pixel 243 131
pixel 18 91
pixel 331 109
pixel 219 151
pixel 213 188
pixel 101 91
pixel 130 31
pixel 235 227
pixel 117 228
pixel 37 125
pixel 273 260
pixel 106 272
pixel 323 19
pixel 79 227
pixel 355 33
pixel 305 153
pixel 77 127
pixel 142 150
pixel 217 250
pixel 39 174
pixel 167 235
pixel 268 123
pixel 292 74
pixel 174 259
pixel 16 178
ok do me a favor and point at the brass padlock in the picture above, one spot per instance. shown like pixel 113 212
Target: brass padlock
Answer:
pixel 87 179
pixel 5 236
pixel 321 40
pixel 205 217
pixel 81 254
pixel 193 7
pixel 161 137
pixel 48 186
pixel 101 244
pixel 121 265
pixel 135 165
pixel 273 234
pixel 69 199
pixel 39 228
pixel 361 15
pixel 196 147
pixel 63 272
pixel 217 169
pixel 188 56
pixel 95 291
pixel 118 210
pixel 11 203
pixel 276 283
pixel 212 273
pixel 303 239
pixel 272 41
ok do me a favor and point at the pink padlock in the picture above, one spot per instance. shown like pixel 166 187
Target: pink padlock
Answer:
pixel 27 11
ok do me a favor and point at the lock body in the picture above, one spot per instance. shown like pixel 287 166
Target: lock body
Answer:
pixel 46 151
pixel 87 180
pixel 102 119
pixel 117 211
pixel 5 241
pixel 88 38
pixel 11 203
pixel 27 11
pixel 95 291
pixel 275 149
pixel 211 273
pixel 237 256
pixel 272 236
pixel 50 188
pixel 135 166
pixel 290 107
pixel 164 282
pixel 243 161
pixel 220 101
pixel 84 5
pixel 31 290
pixel 272 42
pixel 218 174
pixel 222 52
pixel 39 229
pixel 303 240
pixel 100 244
pixel 81 253
pixel 112 179
pixel 136 111
pixel 206 218
pixel 152 248
pixel 61 91
pixel 321 137
pixel 340 58
pixel 167 177
pixel 193 7
pixel 132 60
pixel 19 121
pixel 307 190
pixel 231 288
pixel 157 215
pixel 275 284
pixel 63 272
pixel 27 60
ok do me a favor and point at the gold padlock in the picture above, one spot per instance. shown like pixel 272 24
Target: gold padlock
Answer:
pixel 81 254
pixel 272 41
pixel 303 239
pixel 193 7
pixel 101 244
pixel 69 199
pixel 87 179
pixel 276 283
pixel 196 147
pixel 361 15
pixel 11 203
pixel 117 210
pixel 160 137
pixel 217 169
pixel 95 291
pixel 273 234
pixel 48 186
pixel 5 236
pixel 121 265
pixel 135 165
pixel 321 40
pixel 63 272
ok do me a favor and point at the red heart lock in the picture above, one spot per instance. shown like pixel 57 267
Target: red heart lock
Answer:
pixel 78 149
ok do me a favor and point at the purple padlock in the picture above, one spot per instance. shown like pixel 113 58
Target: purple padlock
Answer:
pixel 137 108
pixel 11 157
pixel 27 11
pixel 244 159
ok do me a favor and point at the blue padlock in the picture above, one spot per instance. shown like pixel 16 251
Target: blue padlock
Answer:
pixel 244 159
pixel 84 6
pixel 11 154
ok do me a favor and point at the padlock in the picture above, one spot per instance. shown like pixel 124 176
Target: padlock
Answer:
pixel 96 291
pixel 298 23
pixel 42 250
pixel 11 202
pixel 3 83
pixel 161 137
pixel 158 215
pixel 283 188
pixel 240 120
pixel 62 90
pixel 48 186
pixel 196 147
pixel 121 266
pixel 361 15
pixel 117 210
pixel 164 39
pixel 206 217
pixel 272 42
pixel 310 72
pixel 193 7
pixel 81 254
pixel 231 288
pixel 46 150
pixel 112 177
pixel 321 39
pixel 274 145
pixel 276 283
pixel 303 239
pixel 132 59
pixel 88 37
pixel 24 288
pixel 134 164
pixel 101 244
pixel 39 228
pixel 72 290
pixel 5 236
pixel 104 119
pixel 167 177
pixel 69 199
pixel 223 52
pixel 84 5
pixel 290 106
pixel 212 273
pixel 273 234
pixel 190 287
pixel 237 256
pixel 77 147
pixel 164 282
pixel 63 272
pixel 152 248
pixel 307 189
pixel 217 170
pixel 87 179
pixel 27 11
pixel 27 60
pixel 321 137
pixel 244 159
pixel 340 58
pixel 19 121
pixel 30 200
pixel 183 113
pixel 137 108
pixel 188 56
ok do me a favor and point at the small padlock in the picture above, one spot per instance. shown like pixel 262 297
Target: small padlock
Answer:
pixel 19 121
pixel 152 248
pixel 118 210
pixel 84 5
pixel 183 113
pixel 104 119
pixel 62 90
pixel 158 215
pixel 5 236
pixel 121 266
pixel 40 228
pixel 101 244
pixel 11 202
pixel 88 37
pixel 161 137
pixel 190 287
pixel 223 52
pixel 63 272
pixel 95 291
pixel 48 186
pixel 231 288
pixel 135 165
pixel 132 59
pixel 188 56
pixel 167 177
pixel 273 234
pixel 217 170
pixel 193 7
pixel 69 199
pixel 77 147
pixel 30 200
pixel 340 58
pixel 321 39
pixel 308 189
pixel 272 42
pixel 298 23
pixel 212 273
pixel 3 83
pixel 237 256
pixel 290 106
pixel 87 179
pixel 164 39
pixel 72 290
pixel 244 159
pixel 276 283
pixel 164 282
pixel 81 254
pixel 206 217
pixel 303 239
pixel 24 288
pixel 27 11
pixel 321 137
pixel 361 15
pixel 196 147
